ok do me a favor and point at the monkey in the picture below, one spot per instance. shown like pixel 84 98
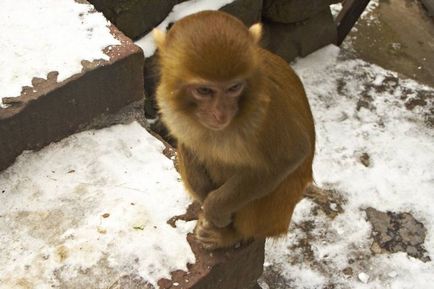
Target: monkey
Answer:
pixel 243 125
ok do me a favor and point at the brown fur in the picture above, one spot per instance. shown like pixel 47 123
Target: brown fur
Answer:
pixel 255 170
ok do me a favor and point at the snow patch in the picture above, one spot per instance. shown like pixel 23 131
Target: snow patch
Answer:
pixel 41 36
pixel 361 108
pixel 92 208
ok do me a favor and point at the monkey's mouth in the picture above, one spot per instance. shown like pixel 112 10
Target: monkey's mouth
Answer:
pixel 216 126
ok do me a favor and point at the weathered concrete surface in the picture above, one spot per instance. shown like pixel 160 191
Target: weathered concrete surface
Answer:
pixel 397 232
pixel 135 18
pixel 50 111
pixel 237 268
pixel 407 47
pixel 232 269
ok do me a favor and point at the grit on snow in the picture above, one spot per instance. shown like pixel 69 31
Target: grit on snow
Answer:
pixel 41 36
pixel 83 212
pixel 360 110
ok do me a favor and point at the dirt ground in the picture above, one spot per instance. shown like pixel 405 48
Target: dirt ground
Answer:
pixel 398 35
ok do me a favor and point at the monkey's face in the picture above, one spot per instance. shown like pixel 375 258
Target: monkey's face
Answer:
pixel 216 103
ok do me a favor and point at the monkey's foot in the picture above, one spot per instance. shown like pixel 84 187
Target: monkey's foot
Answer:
pixel 212 237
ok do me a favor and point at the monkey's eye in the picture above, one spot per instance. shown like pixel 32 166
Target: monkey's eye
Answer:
pixel 204 91
pixel 235 88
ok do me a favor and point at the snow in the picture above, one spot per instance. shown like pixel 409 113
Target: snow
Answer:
pixel 399 178
pixel 94 207
pixel 41 36
pixel 179 11
pixel 363 277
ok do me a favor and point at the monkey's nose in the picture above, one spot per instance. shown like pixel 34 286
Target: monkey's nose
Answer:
pixel 220 117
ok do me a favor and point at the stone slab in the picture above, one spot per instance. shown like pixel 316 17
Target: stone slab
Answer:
pixel 50 111
pixel 134 18
pixel 300 39
pixel 292 11
pixel 248 11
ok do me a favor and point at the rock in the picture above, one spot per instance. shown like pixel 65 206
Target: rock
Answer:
pixel 348 271
pixel 280 39
pixel 397 232
pixel 50 111
pixel 150 83
pixel 248 11
pixel 291 40
pixel 318 31
pixel 292 11
pixel 135 17
pixel 365 159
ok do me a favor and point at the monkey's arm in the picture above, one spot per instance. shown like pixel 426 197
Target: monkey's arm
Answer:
pixel 250 184
pixel 194 175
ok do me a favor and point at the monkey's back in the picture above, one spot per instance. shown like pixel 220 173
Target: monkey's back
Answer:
pixel 288 115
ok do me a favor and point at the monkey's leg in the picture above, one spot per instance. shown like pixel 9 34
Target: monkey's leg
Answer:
pixel 194 175
pixel 213 238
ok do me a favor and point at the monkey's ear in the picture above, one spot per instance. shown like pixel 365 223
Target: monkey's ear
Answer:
pixel 159 37
pixel 256 32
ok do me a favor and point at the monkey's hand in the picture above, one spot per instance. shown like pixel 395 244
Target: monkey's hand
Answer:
pixel 212 237
pixel 214 212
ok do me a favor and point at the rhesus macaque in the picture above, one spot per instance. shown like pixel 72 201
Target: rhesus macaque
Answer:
pixel 243 125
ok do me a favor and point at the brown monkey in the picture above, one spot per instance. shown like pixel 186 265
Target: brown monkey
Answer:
pixel 243 124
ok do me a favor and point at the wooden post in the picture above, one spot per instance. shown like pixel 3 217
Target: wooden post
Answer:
pixel 350 13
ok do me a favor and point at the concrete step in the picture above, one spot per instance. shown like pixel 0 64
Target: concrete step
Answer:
pixel 51 110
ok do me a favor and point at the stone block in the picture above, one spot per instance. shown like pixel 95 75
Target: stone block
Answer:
pixel 151 76
pixel 50 111
pixel 279 39
pixel 300 39
pixel 248 11
pixel 292 11
pixel 318 31
pixel 135 17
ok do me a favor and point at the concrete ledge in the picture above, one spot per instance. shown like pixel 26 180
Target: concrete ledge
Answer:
pixel 237 268
pixel 50 111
